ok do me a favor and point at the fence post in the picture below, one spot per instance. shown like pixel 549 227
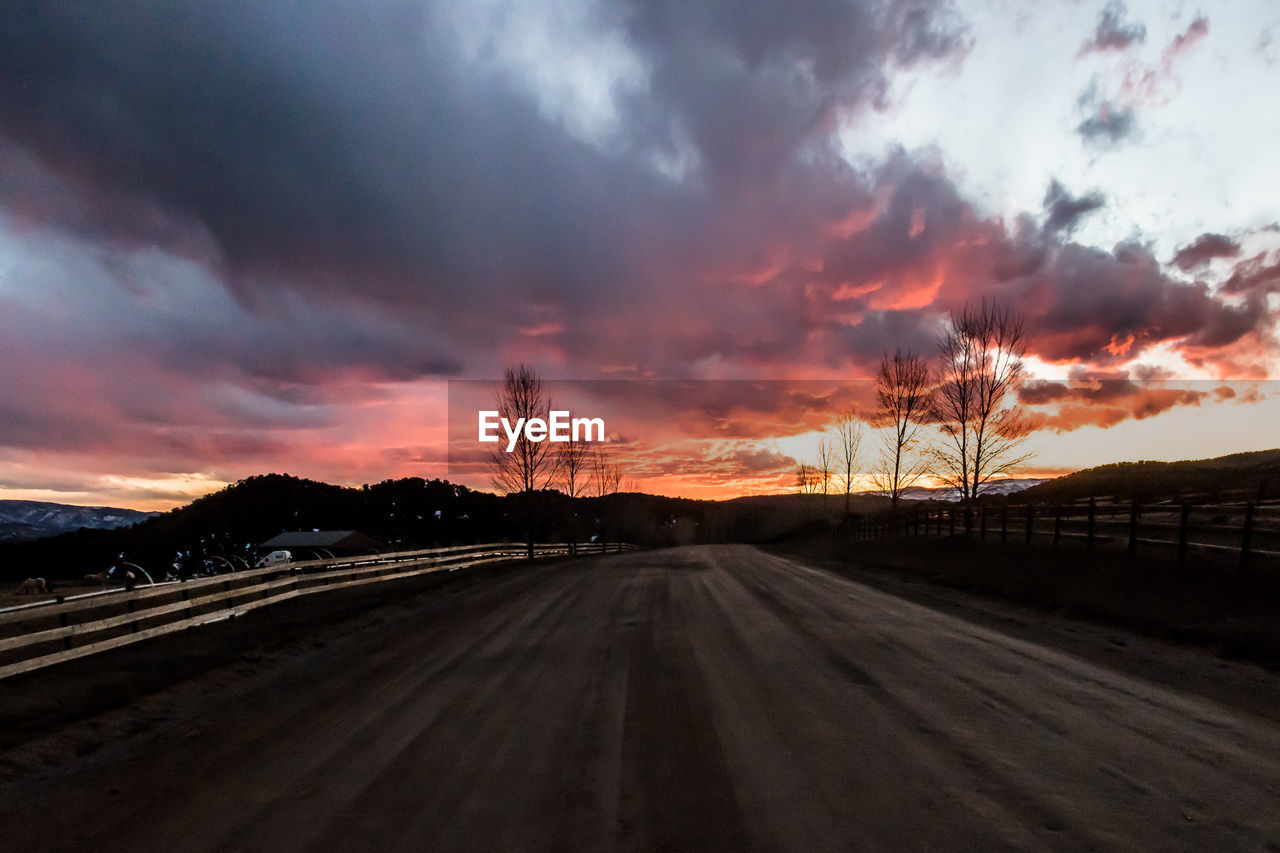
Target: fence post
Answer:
pixel 951 515
pixel 1133 528
pixel 1004 524
pixel 968 521
pixel 1057 524
pixel 1245 537
pixel 982 523
pixel 1183 524
pixel 1031 521
pixel 1093 510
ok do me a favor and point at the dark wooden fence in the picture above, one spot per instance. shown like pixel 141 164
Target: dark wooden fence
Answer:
pixel 1250 530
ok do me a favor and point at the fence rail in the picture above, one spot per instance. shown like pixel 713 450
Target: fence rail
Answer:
pixel 33 636
pixel 1247 530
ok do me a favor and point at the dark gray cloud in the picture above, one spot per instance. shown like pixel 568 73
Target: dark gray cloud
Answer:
pixel 1108 125
pixel 1113 32
pixel 340 149
pixel 254 202
pixel 1064 210
pixel 1258 274
pixel 1205 248
pixel 311 136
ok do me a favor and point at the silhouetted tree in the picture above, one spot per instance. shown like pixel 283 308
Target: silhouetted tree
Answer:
pixel 573 467
pixel 902 405
pixel 574 475
pixel 825 467
pixel 848 445
pixel 606 475
pixel 530 466
pixel 806 480
pixel 982 430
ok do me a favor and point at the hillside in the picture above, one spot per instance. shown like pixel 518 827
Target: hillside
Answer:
pixel 236 518
pixel 1240 475
pixel 23 520
pixel 405 514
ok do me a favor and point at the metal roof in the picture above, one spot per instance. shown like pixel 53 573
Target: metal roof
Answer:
pixel 322 539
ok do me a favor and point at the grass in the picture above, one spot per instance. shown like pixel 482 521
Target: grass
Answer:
pixel 1206 603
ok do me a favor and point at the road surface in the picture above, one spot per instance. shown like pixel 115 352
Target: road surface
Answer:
pixel 709 698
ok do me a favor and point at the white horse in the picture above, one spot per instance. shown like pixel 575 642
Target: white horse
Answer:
pixel 99 578
pixel 34 586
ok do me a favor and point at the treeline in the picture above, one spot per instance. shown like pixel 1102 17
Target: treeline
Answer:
pixel 234 519
pixel 405 514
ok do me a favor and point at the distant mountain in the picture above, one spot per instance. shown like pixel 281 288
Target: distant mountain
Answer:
pixel 1238 476
pixel 23 520
pixel 996 487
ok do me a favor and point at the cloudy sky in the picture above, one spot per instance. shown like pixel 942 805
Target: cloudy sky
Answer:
pixel 254 236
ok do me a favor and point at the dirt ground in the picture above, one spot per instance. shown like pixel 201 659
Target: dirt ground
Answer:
pixel 709 698
pixel 9 595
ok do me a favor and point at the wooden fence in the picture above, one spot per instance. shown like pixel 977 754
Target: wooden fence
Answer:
pixel 1248 530
pixel 44 633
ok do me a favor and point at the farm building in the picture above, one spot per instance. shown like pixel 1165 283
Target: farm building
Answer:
pixel 322 543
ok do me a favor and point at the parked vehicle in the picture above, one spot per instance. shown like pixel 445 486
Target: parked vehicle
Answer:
pixel 275 558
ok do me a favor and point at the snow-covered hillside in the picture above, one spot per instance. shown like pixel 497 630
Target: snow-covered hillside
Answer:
pixel 35 519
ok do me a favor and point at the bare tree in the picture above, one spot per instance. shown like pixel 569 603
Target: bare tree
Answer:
pixel 606 475
pixel 902 401
pixel 530 466
pixel 982 431
pixel 573 464
pixel 606 479
pixel 573 467
pixel 807 479
pixel 825 467
pixel 848 446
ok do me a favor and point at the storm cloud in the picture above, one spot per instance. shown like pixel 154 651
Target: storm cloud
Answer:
pixel 233 224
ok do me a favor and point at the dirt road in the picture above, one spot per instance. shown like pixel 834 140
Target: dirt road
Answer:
pixel 711 698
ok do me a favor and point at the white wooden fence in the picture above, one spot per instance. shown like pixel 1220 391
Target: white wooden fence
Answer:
pixel 44 633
